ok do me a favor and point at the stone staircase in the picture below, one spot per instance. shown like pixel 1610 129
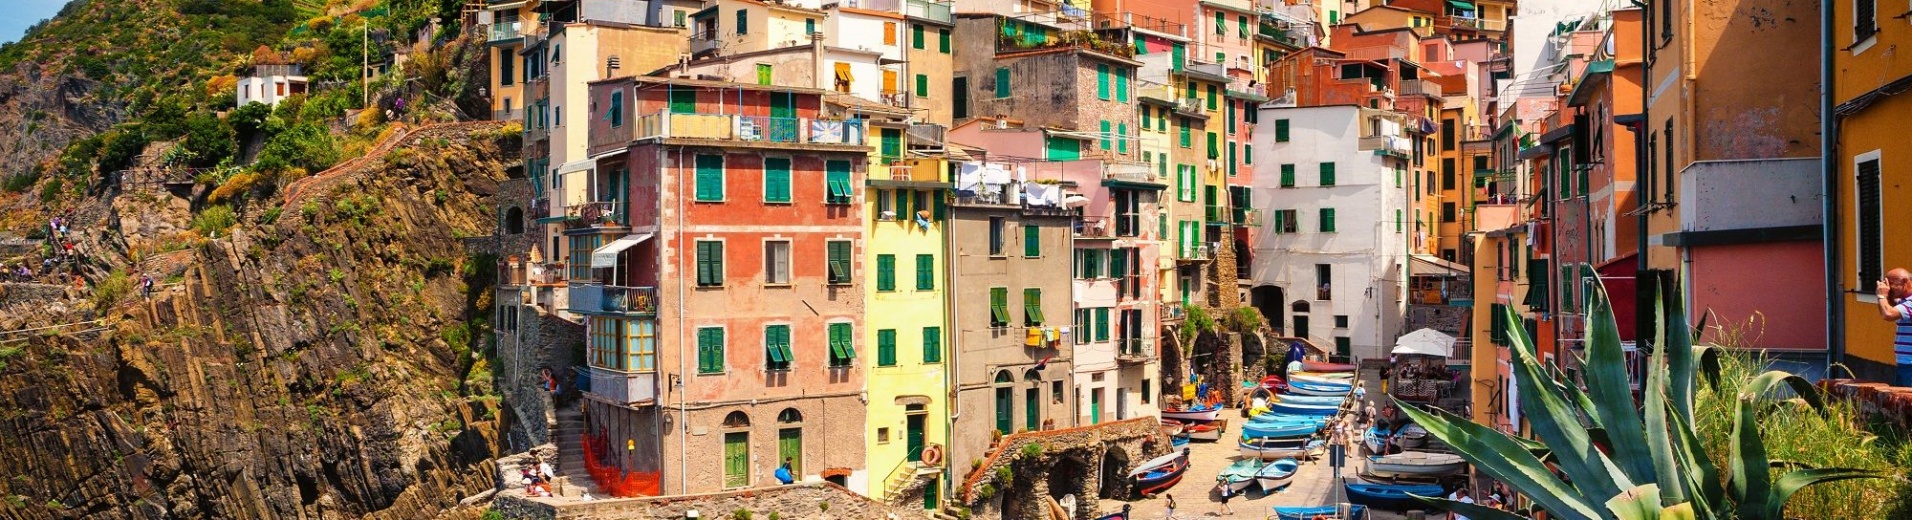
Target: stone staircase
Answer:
pixel 908 482
pixel 573 479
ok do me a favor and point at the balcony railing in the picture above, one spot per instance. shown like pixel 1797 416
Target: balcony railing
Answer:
pixel 1134 350
pixel 611 299
pixel 1172 311
pixel 1083 40
pixel 1216 213
pixel 593 214
pixel 940 12
pixel 1094 227
pixel 502 31
pixel 1385 144
pixel 1210 68
pixel 1420 87
pixel 723 127
pixel 701 45
pixel 623 387
pixel 1127 171
pixel 896 98
pixel 1247 217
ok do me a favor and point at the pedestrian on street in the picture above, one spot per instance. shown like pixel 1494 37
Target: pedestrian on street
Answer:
pixel 1227 493
pixel 1361 392
pixel 1459 495
pixel 1171 507
pixel 1896 307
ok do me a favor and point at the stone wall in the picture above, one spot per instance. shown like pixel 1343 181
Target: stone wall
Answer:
pixel 1890 403
pixel 813 500
pixel 1078 451
pixel 538 340
pixel 31 292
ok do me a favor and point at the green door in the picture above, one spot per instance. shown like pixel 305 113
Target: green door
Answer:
pixel 1095 406
pixel 736 459
pixel 914 435
pixel 932 493
pixel 783 117
pixel 1064 149
pixel 790 447
pixel 1031 414
pixel 1003 402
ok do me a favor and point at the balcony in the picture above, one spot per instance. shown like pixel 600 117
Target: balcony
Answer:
pixel 1247 217
pixel 521 272
pixel 593 214
pixel 1135 351
pixel 1382 53
pixel 623 387
pixel 1420 87
pixel 1172 311
pixel 1209 68
pixel 940 12
pixel 701 45
pixel 1386 145
pixel 502 31
pixel 896 98
pixel 1094 228
pixel 1127 171
pixel 612 299
pixel 1215 214
pixel 736 128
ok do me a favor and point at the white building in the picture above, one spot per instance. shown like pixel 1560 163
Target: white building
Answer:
pixel 271 83
pixel 1328 265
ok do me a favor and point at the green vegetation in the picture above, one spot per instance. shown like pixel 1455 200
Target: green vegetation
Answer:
pixel 110 290
pixel 1619 465
pixel 214 220
pixel 8 351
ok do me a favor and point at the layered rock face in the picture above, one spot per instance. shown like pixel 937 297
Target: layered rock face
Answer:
pixel 322 360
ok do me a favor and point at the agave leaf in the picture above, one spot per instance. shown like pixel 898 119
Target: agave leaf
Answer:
pixel 1751 485
pixel 1680 511
pixel 1679 350
pixel 1557 423
pixel 1508 460
pixel 1764 385
pixel 1640 503
pixel 1704 487
pixel 1471 511
pixel 1792 482
pixel 1612 393
pixel 1666 467
pixel 1708 357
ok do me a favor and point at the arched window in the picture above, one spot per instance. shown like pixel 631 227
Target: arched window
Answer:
pixel 789 415
pixel 514 221
pixel 1031 375
pixel 1299 306
pixel 736 420
pixel 1002 376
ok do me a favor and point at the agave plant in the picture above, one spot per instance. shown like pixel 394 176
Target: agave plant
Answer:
pixel 1624 460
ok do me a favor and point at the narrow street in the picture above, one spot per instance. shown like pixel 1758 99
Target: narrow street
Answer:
pixel 1196 495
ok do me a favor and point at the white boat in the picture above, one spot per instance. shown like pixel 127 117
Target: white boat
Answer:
pixel 1193 414
pixel 1329 377
pixel 1205 431
pixel 1273 449
pixel 1416 464
pixel 1412 436
pixel 1305 387
pixel 1276 474
pixel 1240 475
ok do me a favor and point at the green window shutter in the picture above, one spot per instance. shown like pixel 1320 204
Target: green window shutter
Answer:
pixel 1221 23
pixel 1211 96
pixel 922 85
pixel 683 101
pixel 1032 306
pixel 1119 263
pixel 1031 241
pixel 916 36
pixel 743 21
pixel 1081 328
pixel 1186 133
pixel 925 272
pixel 1279 221
pixel 942 41
pixel 886 348
pixel 837 175
pixel 892 143
pixel 710 263
pixel 1104 142
pixel 1147 116
pixel 1231 159
pixel 1248 153
pixel 1214 146
pixel 1281 130
pixel 776 179
pixel 998 306
pixel 885 272
pixel 1002 82
pixel 710 350
pixel 1327 174
pixel 1122 135
pixel 710 178
pixel 1287 176
pixel 942 205
pixel 1397 221
pixel 764 74
pixel 839 262
pixel 1178 55
pixel 1102 81
pixel 1241 25
pixel 809 24
pixel 1122 86
pixel 1231 117
pixel 1102 324
pixel 1327 220
pixel 932 344
pixel 776 346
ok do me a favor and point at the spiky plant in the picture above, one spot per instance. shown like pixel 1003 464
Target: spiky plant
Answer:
pixel 1624 460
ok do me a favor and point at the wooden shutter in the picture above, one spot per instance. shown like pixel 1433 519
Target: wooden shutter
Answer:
pixel 710 178
pixel 1871 229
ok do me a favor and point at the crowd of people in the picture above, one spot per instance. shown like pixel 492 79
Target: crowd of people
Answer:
pixel 59 258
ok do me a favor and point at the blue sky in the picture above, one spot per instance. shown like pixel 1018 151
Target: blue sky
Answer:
pixel 22 14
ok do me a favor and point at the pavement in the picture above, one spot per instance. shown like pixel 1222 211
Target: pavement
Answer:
pixel 1197 497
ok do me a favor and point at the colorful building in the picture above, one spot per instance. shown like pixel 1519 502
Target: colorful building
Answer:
pixel 1869 151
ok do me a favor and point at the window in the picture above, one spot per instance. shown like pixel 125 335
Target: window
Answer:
pixel 839 261
pixel 1102 81
pixel 776 180
pixel 776 262
pixel 1397 221
pixel 1343 346
pixel 1184 183
pixel 1081 327
pixel 1002 82
pixel 809 26
pixel 932 344
pixel 1101 324
pixel 507 63
pixel 1211 96
pixel 1104 143
pixel 1870 220
pixel 1447 174
pixel 1241 26
pixel 959 92
pixel 1122 138
pixel 1447 134
pixel 1287 221
pixel 1146 390
pixel 743 21
pixel 1091 263
pixel 1447 212
pixel 1122 86
pixel 889 33
pixel 1287 176
pixel 710 178
pixel 916 36
pixel 710 350
pixel 1148 114
pixel 837 176
pixel 1865 21
pixel 886 348
pixel 1327 220
pixel 885 273
pixel 1031 241
pixel 942 41
pixel 843 77
pixel 1667 172
pixel 1248 153
pixel 710 263
pixel 1340 321
pixel 1327 174
pixel 1324 282
pixel 1281 130
pixel 996 238
pixel 922 85
pixel 842 346
pixel 1214 147
pixel 1032 307
pixel 776 347
pixel 1186 140
pixel 925 272
pixel 998 306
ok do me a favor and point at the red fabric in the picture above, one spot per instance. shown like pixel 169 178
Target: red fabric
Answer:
pixel 617 482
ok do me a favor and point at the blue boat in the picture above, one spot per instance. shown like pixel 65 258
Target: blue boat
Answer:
pixel 1278 430
pixel 1310 399
pixel 1319 388
pixel 1178 440
pixel 1287 418
pixel 1268 448
pixel 1390 496
pixel 1309 513
pixel 1303 409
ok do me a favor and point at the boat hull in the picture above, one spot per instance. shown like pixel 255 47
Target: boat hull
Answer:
pixel 1416 464
pixel 1204 434
pixel 1389 496
pixel 1323 366
pixel 1314 388
pixel 1276 474
pixel 1284 449
pixel 1150 486
pixel 1193 415
pixel 1279 430
pixel 1302 409
pixel 1355 511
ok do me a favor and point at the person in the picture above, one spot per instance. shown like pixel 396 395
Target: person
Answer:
pixel 1171 507
pixel 783 472
pixel 1459 495
pixel 1369 414
pixel 1896 307
pixel 146 286
pixel 1227 493
pixel 544 470
pixel 1361 392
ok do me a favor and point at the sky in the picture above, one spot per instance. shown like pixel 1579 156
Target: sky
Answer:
pixel 22 14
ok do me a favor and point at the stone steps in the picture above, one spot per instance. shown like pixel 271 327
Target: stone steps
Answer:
pixel 568 434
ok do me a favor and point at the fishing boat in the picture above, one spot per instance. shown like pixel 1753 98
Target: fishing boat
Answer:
pixel 1178 440
pixel 1416 464
pixel 1211 431
pixel 1337 377
pixel 1323 366
pixel 1274 383
pixel 1310 399
pixel 1258 429
pixel 1313 388
pixel 1376 439
pixel 1303 408
pixel 1354 511
pixel 1267 448
pixel 1276 474
pixel 1412 436
pixel 1240 475
pixel 1195 413
pixel 1160 473
pixel 1391 496
pixel 1171 428
pixel 1119 515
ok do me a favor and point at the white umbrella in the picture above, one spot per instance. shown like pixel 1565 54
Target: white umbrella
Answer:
pixel 1425 342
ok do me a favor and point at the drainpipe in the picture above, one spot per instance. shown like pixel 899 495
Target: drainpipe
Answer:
pixel 951 302
pixel 1829 193
pixel 683 419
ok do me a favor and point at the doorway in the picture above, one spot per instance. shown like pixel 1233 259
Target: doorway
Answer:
pixel 736 459
pixel 1267 299
pixel 1095 406
pixel 1121 404
pixel 1032 414
pixel 913 435
pixel 1301 326
pixel 1003 402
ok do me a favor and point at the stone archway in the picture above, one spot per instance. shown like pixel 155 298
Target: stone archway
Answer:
pixel 1115 470
pixel 1070 475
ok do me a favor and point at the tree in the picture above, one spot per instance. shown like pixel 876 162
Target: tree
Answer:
pixel 208 140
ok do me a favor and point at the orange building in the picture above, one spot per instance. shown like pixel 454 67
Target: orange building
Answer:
pixel 1870 154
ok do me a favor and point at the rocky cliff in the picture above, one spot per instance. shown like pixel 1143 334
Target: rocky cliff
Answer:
pixel 323 358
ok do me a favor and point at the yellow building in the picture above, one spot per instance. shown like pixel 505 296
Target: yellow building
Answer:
pixel 509 24
pixel 906 327
pixel 1871 154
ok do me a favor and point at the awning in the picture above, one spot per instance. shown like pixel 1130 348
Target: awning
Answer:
pixel 606 257
pixel 1461 4
pixel 1424 342
pixel 843 75
pixel 1425 265
pixel 577 166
